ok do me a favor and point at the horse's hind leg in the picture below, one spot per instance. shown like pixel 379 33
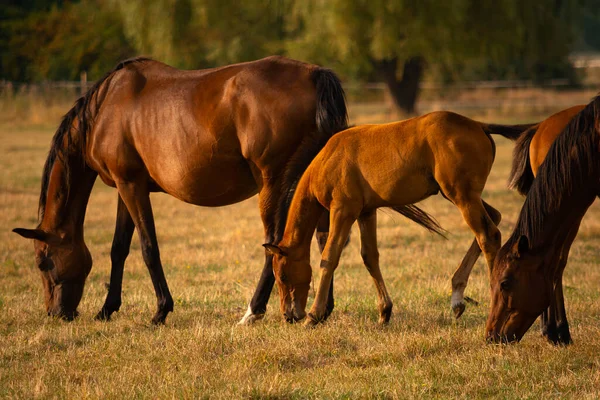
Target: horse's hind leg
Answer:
pixel 124 228
pixel 370 255
pixel 461 276
pixel 137 199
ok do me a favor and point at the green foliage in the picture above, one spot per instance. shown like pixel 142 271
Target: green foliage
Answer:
pixel 62 42
pixel 200 33
pixel 458 39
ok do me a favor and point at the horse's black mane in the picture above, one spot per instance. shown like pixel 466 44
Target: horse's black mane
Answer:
pixel 83 113
pixel 572 159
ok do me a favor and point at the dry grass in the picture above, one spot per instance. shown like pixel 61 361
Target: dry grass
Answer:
pixel 212 259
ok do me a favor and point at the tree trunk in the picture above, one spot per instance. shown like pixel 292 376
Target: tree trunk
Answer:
pixel 404 92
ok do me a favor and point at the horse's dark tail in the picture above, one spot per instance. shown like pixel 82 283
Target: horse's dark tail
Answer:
pixel 82 112
pixel 331 117
pixel 512 132
pixel 521 175
pixel 419 216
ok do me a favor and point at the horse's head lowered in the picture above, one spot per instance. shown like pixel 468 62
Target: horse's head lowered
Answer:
pixel 64 264
pixel 293 277
pixel 521 291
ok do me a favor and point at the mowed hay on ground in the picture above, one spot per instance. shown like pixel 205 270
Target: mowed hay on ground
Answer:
pixel 212 259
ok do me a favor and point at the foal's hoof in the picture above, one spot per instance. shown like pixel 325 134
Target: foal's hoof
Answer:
pixel 458 309
pixel 312 321
pixel 249 318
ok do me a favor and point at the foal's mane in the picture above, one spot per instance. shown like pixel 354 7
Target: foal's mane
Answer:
pixel 82 112
pixel 567 168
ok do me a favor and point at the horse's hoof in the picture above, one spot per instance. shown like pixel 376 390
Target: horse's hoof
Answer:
pixel 103 315
pixel 558 335
pixel 385 313
pixel 249 318
pixel 564 337
pixel 458 309
pixel 160 318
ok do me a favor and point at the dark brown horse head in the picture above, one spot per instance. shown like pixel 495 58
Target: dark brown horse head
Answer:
pixel 64 265
pixel 293 277
pixel 520 291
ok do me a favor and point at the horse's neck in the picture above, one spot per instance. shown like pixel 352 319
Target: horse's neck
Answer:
pixel 302 219
pixel 67 196
pixel 556 227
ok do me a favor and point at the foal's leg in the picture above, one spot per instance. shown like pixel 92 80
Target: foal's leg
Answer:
pixel 486 233
pixel 137 199
pixel 341 223
pixel 461 276
pixel 370 255
pixel 124 228
pixel 322 235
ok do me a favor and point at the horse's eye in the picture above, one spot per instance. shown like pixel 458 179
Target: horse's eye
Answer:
pixel 506 284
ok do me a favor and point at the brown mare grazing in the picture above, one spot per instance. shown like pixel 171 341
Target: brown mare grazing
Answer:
pixel 210 137
pixel 528 267
pixel 392 165
pixel 529 153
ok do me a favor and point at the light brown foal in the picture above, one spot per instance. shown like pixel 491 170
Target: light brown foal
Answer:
pixel 392 165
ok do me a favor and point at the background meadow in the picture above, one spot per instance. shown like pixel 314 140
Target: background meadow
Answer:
pixel 212 259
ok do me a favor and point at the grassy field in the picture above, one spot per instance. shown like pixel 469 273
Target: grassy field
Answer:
pixel 212 260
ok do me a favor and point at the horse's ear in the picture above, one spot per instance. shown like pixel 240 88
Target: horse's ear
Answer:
pixel 38 234
pixel 272 249
pixel 521 247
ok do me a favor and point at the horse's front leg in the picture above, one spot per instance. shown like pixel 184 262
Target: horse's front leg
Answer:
pixel 341 223
pixel 268 199
pixel 322 236
pixel 124 228
pixel 136 197
pixel 559 325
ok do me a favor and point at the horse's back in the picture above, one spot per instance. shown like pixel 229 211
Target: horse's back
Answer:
pixel 399 162
pixel 547 132
pixel 195 132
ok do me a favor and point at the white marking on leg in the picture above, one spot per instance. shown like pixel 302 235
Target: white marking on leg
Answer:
pixel 457 297
pixel 250 318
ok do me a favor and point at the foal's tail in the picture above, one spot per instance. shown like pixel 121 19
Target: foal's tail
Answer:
pixel 521 175
pixel 419 216
pixel 512 132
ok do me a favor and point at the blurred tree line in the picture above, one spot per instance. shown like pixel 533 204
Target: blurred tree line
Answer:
pixel 392 41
